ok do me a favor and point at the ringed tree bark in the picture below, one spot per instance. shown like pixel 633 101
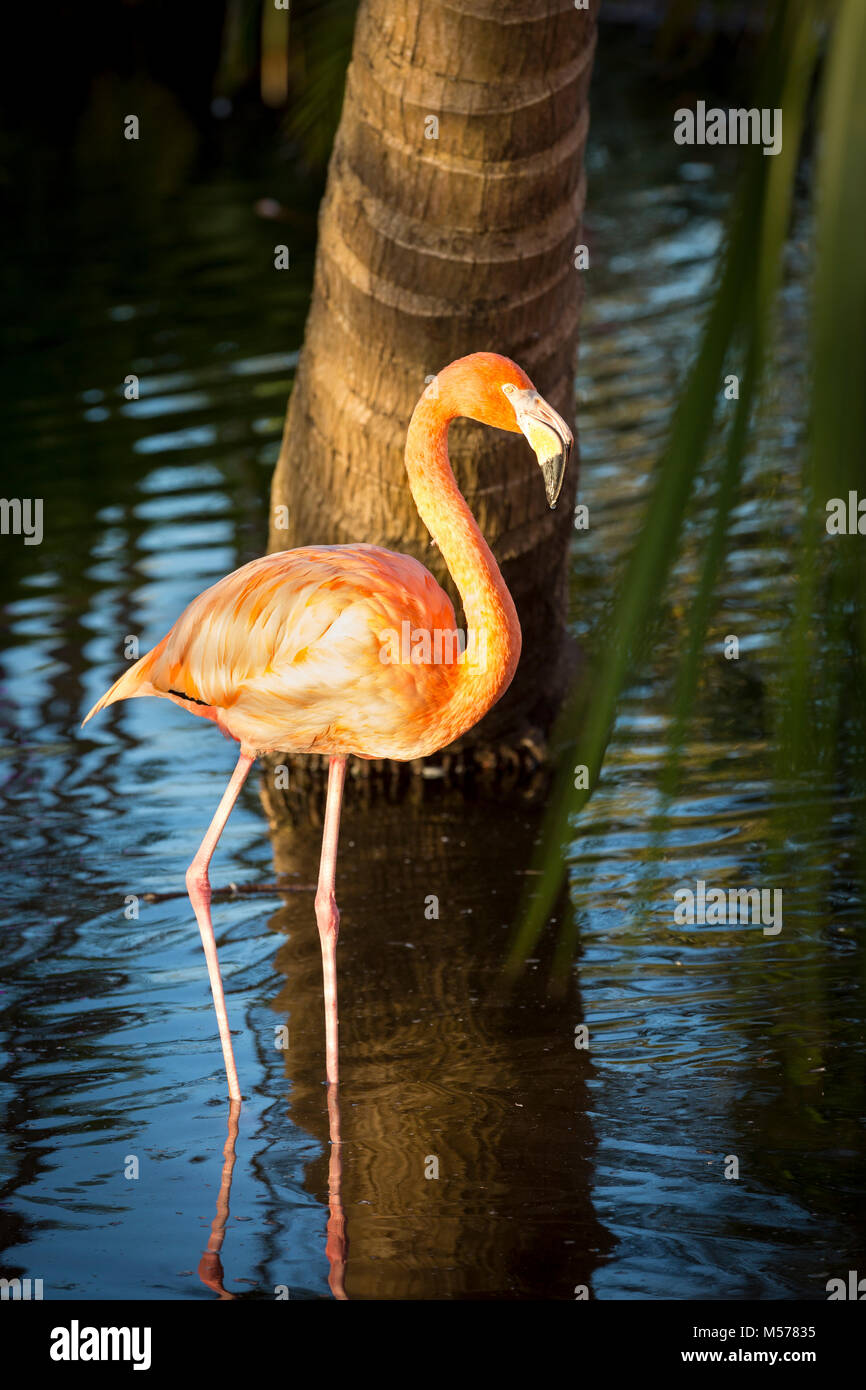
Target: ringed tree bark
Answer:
pixel 449 225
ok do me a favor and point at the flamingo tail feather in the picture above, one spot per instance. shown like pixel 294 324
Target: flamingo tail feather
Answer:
pixel 133 682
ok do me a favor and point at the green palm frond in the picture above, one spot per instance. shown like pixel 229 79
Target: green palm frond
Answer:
pixel 811 708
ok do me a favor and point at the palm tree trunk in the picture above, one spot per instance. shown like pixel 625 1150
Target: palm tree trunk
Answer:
pixel 449 225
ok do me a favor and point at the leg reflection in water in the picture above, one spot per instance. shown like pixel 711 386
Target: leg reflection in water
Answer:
pixel 337 1244
pixel 210 1269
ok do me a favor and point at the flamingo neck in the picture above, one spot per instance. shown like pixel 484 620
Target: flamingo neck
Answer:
pixel 493 636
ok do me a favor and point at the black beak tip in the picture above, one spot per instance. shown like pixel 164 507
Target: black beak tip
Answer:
pixel 554 474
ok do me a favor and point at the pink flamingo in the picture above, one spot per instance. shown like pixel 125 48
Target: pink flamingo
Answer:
pixel 353 649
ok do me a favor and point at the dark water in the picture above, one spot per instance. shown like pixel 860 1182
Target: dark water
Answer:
pixel 557 1166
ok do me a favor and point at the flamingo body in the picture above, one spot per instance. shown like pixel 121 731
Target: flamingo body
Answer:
pixel 306 650
pixel 293 652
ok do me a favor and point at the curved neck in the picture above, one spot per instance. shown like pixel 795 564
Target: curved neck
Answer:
pixel 493 638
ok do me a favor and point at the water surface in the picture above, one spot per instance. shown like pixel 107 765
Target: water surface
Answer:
pixel 557 1167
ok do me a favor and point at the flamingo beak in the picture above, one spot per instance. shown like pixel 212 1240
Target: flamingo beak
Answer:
pixel 549 435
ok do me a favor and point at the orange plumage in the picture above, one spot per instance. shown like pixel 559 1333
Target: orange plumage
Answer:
pixel 353 649
pixel 291 652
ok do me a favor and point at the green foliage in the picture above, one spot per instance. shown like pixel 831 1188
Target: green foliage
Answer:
pixel 320 53
pixel 819 733
pixel 309 47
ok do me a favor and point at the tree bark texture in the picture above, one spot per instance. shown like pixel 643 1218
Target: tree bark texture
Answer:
pixel 436 1052
pixel 449 225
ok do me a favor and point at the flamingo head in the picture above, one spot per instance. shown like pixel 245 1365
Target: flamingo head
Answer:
pixel 494 390
pixel 547 432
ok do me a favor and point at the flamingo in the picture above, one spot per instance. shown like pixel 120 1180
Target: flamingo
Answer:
pixel 353 649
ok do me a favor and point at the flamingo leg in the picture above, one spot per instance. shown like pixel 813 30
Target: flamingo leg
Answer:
pixel 327 912
pixel 198 887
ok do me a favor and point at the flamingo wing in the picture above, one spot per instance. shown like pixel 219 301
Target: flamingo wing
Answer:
pixel 292 652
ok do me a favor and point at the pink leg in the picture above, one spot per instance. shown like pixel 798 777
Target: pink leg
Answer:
pixel 198 887
pixel 327 912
